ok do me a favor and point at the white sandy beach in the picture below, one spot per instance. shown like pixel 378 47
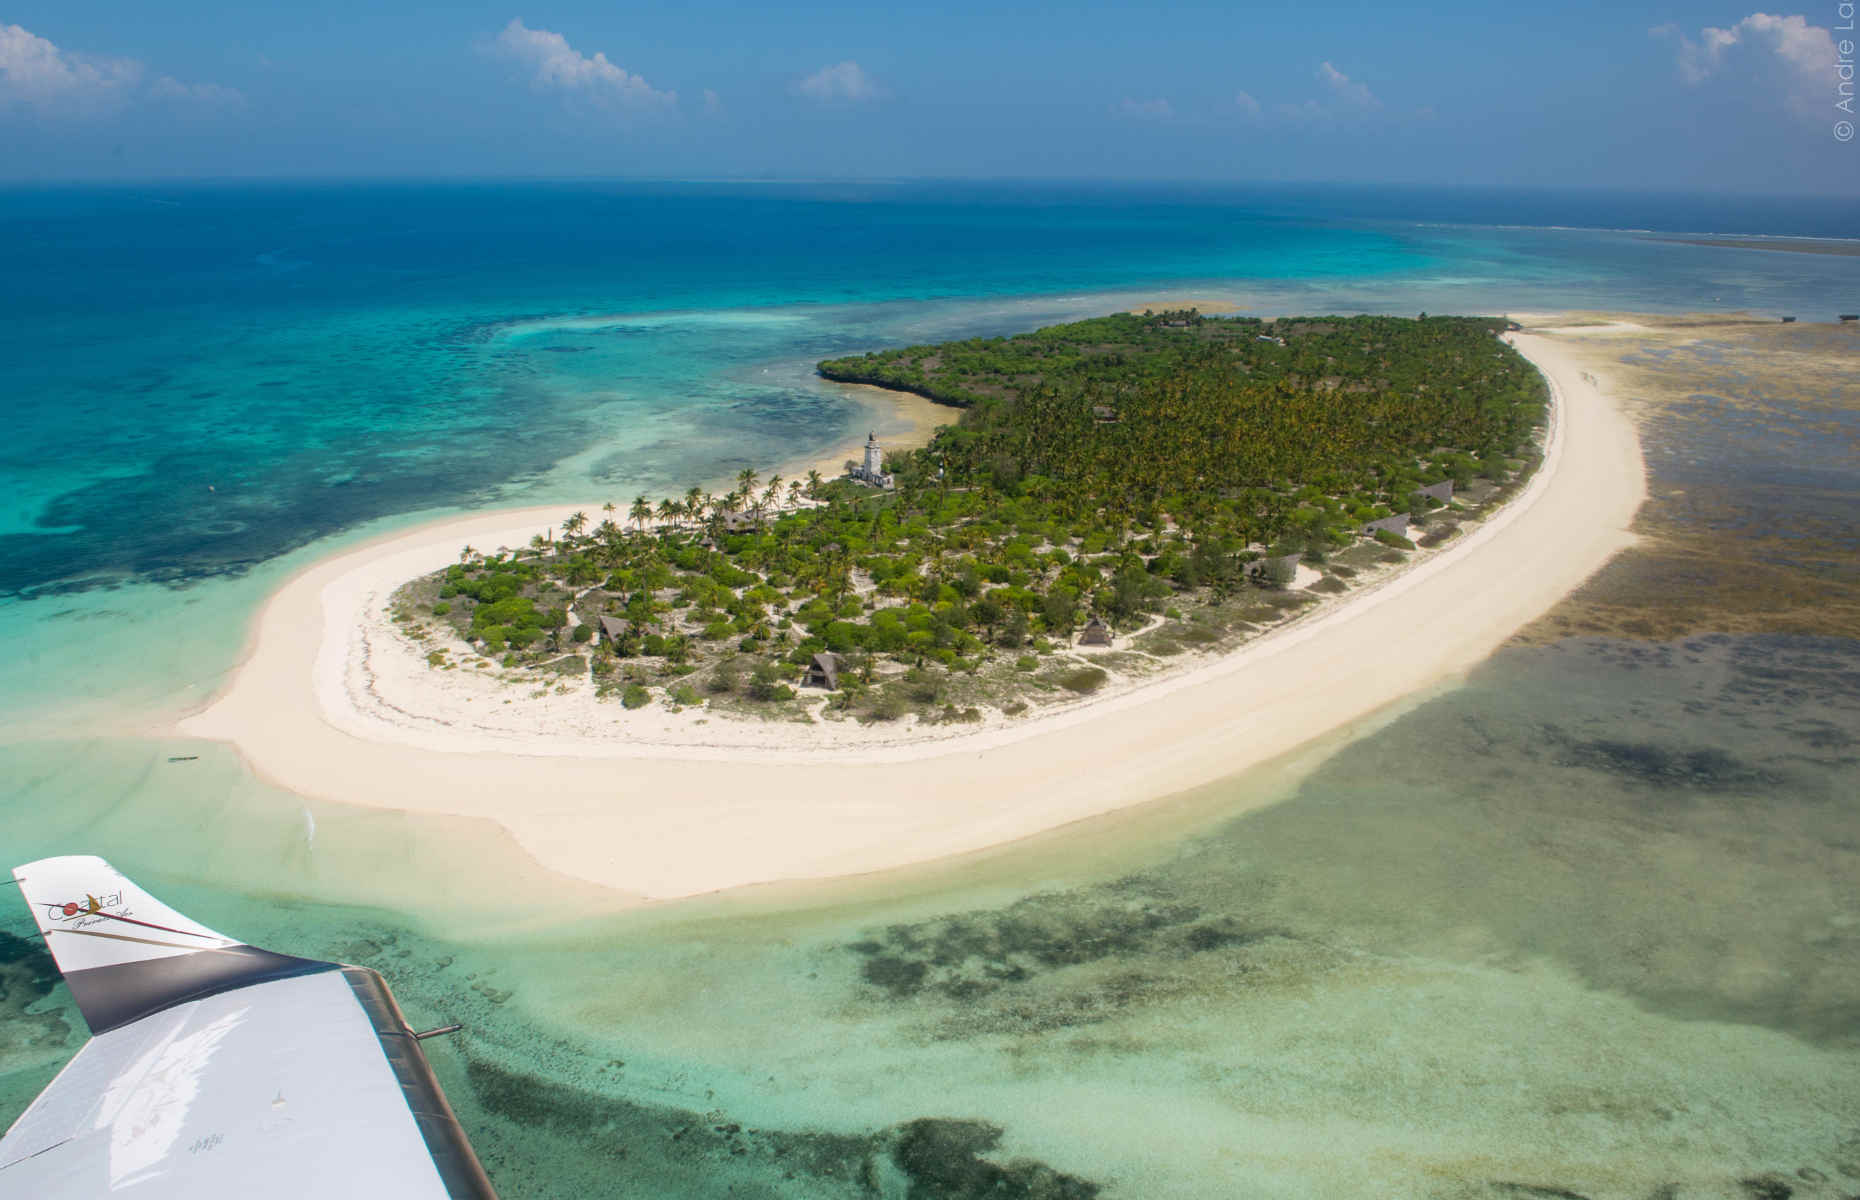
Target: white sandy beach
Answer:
pixel 673 820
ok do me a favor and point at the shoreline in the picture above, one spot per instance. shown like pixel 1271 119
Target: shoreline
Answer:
pixel 702 819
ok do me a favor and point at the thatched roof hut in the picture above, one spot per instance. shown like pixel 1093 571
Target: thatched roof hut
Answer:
pixel 1095 633
pixel 612 628
pixel 824 672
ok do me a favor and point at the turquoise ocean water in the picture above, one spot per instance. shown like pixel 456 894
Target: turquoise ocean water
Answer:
pixel 1402 980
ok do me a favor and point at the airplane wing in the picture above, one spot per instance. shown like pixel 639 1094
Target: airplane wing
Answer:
pixel 217 1069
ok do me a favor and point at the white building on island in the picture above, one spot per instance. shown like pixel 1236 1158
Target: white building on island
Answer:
pixel 872 470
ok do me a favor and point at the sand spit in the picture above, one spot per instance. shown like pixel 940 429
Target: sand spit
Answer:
pixel 687 820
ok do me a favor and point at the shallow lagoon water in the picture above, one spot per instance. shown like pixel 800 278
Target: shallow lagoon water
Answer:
pixel 1583 923
pixel 1578 927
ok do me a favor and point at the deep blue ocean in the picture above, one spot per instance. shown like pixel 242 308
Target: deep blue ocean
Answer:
pixel 197 380
pixel 1491 949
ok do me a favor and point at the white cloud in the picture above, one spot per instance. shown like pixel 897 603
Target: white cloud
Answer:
pixel 841 81
pixel 1349 91
pixel 713 103
pixel 558 67
pixel 1801 56
pixel 1347 100
pixel 36 73
pixel 1147 110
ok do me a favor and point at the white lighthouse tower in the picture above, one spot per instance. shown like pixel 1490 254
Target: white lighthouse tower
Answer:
pixel 872 470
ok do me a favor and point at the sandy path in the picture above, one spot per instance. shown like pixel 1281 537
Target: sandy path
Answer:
pixel 677 825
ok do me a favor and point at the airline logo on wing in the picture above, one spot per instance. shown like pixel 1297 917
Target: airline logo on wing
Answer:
pixel 77 916
pixel 71 910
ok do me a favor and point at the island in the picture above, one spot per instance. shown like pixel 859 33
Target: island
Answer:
pixel 339 697
pixel 1116 496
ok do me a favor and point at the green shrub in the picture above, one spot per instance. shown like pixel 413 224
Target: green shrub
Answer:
pixel 635 696
pixel 1437 536
pixel 765 684
pixel 583 634
pixel 686 695
pixel 441 609
pixel 884 706
pixel 1393 539
pixel 922 687
pixel 1027 662
pixel 1083 680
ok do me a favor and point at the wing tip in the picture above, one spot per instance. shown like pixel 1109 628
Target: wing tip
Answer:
pixel 123 953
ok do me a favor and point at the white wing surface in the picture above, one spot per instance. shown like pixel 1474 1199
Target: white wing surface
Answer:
pixel 218 1069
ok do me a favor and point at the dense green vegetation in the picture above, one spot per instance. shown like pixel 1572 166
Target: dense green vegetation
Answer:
pixel 1132 469
pixel 1235 427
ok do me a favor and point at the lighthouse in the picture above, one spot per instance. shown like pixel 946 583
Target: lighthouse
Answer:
pixel 872 470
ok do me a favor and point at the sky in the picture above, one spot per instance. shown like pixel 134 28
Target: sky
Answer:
pixel 1659 96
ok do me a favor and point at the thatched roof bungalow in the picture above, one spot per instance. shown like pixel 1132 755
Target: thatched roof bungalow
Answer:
pixel 1095 633
pixel 823 672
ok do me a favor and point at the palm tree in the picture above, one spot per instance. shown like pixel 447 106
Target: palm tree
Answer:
pixel 575 524
pixel 813 484
pixel 746 480
pixel 641 512
pixel 608 508
pixel 669 509
pixel 794 492
pixel 466 553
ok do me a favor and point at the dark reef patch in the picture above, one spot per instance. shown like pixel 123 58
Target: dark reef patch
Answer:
pixel 1534 1191
pixel 966 955
pixel 1068 959
pixel 943 1159
pixel 25 967
pixel 665 1150
pixel 1704 768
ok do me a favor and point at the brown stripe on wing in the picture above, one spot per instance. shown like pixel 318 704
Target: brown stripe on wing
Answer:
pixel 123 937
pixel 152 925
